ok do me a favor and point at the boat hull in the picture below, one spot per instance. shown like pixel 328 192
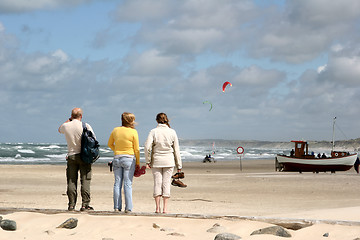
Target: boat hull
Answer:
pixel 292 164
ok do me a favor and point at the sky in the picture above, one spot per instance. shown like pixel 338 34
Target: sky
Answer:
pixel 294 66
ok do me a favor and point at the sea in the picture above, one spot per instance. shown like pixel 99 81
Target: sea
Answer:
pixel 55 153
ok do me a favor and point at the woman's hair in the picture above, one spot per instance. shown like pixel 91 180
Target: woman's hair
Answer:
pixel 128 120
pixel 163 119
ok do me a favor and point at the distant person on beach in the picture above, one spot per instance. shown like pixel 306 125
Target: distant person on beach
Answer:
pixel 73 129
pixel 162 154
pixel 124 141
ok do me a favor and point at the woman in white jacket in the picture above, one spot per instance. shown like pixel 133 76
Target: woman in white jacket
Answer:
pixel 162 154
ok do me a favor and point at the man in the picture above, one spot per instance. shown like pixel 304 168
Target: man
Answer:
pixel 73 129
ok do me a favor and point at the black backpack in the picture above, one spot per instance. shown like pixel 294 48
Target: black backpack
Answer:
pixel 89 146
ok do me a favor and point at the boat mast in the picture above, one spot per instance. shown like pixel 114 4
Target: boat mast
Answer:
pixel 333 136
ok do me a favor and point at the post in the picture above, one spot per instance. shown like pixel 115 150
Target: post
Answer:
pixel 240 163
pixel 333 136
pixel 240 151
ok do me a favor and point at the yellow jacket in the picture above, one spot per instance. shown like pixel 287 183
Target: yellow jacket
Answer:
pixel 124 140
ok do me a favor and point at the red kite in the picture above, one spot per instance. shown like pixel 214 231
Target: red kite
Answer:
pixel 225 84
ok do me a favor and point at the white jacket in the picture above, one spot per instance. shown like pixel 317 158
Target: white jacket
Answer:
pixel 162 148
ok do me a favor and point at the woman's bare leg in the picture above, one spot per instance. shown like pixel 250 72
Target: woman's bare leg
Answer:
pixel 157 203
pixel 165 201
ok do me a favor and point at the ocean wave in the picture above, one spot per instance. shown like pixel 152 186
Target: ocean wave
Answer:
pixel 26 160
pixel 54 153
pixel 26 151
pixel 48 147
pixel 62 156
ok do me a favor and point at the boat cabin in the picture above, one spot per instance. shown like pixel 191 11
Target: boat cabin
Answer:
pixel 301 150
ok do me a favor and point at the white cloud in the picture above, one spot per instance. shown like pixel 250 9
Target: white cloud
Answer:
pixel 189 27
pixel 151 63
pixel 304 30
pixel 2 28
pixel 345 70
pixel 299 32
pixel 143 10
pixel 160 72
pixel 337 48
pixel 321 68
pixel 10 6
pixel 61 55
pixel 322 13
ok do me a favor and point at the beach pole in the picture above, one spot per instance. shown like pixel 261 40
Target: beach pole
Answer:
pixel 240 151
pixel 240 163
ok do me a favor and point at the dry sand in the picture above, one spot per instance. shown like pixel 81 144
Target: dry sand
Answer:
pixel 241 201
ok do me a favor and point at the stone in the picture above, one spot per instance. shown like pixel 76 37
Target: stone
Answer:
pixel 226 236
pixel 217 228
pixel 294 226
pixel 275 230
pixel 166 229
pixel 176 234
pixel 326 235
pixel 155 225
pixel 69 224
pixel 49 232
pixel 8 225
pixel 107 239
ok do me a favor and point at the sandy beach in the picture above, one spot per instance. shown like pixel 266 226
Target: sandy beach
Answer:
pixel 218 193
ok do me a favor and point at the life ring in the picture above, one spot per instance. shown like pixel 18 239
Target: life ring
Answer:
pixel 336 154
pixel 240 150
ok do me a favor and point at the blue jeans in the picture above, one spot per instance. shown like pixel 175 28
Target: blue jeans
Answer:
pixel 123 167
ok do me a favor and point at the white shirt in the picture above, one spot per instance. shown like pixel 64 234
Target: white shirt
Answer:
pixel 73 131
pixel 162 148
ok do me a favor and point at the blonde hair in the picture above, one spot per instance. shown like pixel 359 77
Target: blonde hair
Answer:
pixel 163 119
pixel 128 120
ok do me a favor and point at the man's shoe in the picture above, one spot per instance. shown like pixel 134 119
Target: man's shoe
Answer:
pixel 178 183
pixel 86 208
pixel 178 175
pixel 71 208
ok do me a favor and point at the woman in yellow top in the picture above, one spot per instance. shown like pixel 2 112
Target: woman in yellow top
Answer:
pixel 124 141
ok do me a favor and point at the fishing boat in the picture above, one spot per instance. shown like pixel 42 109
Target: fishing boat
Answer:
pixel 300 160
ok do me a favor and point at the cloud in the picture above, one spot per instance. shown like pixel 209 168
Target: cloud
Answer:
pixel 321 13
pixel 321 68
pixel 296 33
pixel 188 27
pixel 143 10
pixel 18 6
pixel 343 67
pixel 178 54
pixel 304 29
pixel 151 63
pixel 61 55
